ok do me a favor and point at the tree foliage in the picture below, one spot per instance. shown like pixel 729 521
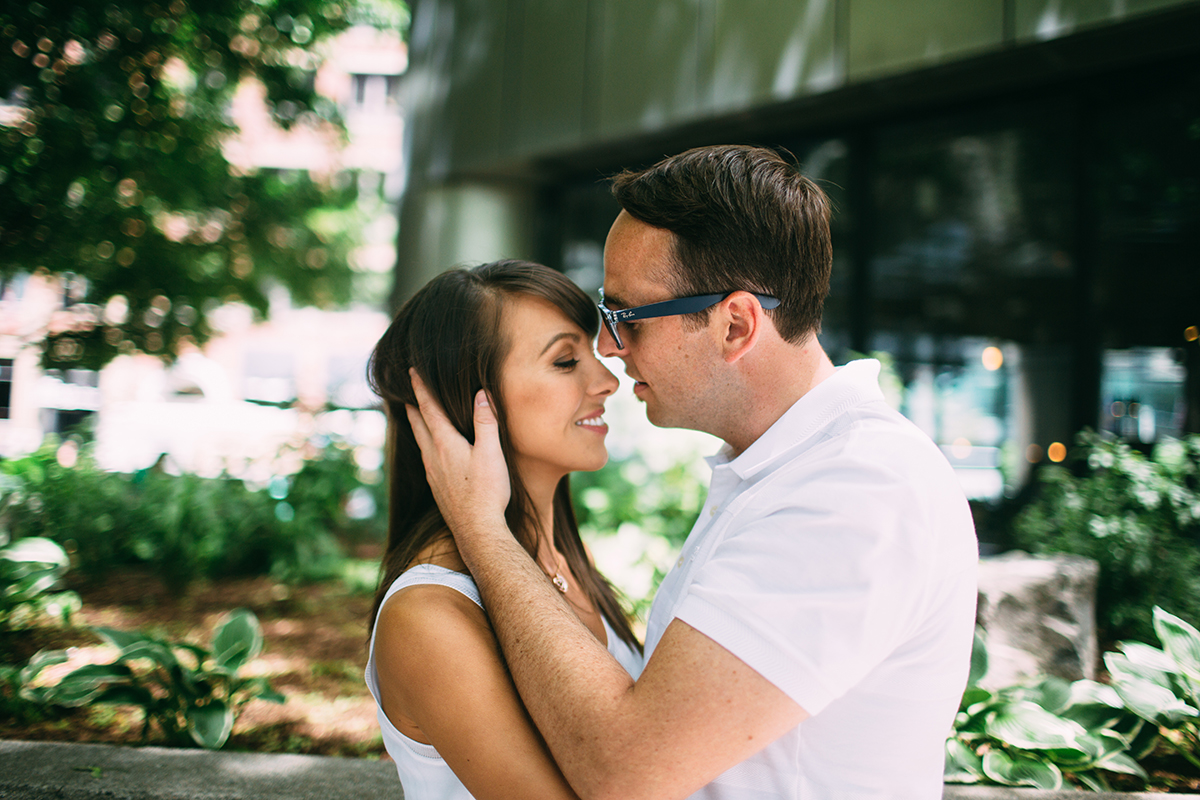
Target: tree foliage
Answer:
pixel 112 172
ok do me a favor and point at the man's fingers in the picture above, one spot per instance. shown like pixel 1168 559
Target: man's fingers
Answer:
pixel 487 431
pixel 431 410
pixel 419 428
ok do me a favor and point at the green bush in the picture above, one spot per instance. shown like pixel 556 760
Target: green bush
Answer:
pixel 1138 517
pixel 184 527
pixel 192 693
pixel 84 509
pixel 660 507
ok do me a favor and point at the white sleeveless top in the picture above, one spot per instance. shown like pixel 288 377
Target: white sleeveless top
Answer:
pixel 423 773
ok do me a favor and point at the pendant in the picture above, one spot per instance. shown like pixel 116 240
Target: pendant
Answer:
pixel 559 581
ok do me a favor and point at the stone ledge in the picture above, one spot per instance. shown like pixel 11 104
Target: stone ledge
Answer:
pixel 60 771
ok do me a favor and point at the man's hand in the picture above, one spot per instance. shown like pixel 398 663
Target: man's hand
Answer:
pixel 469 482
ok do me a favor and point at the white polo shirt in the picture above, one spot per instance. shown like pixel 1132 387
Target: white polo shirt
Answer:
pixel 836 556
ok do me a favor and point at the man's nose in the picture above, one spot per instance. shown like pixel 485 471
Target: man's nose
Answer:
pixel 606 345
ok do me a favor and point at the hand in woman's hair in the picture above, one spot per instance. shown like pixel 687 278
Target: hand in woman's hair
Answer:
pixel 469 482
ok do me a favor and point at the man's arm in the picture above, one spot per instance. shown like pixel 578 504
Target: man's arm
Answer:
pixel 696 710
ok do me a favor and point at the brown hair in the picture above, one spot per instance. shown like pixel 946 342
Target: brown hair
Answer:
pixel 450 332
pixel 743 218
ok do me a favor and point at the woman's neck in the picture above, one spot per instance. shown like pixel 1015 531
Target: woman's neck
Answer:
pixel 541 496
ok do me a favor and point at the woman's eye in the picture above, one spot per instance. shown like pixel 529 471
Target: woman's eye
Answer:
pixel 568 363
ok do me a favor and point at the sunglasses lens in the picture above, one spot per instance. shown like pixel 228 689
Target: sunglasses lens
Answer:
pixel 612 330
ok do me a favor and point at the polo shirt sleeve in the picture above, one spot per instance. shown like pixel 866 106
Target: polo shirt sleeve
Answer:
pixel 819 578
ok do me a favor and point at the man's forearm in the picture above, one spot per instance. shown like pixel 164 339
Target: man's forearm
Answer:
pixel 572 687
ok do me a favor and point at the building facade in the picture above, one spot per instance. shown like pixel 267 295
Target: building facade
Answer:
pixel 1017 182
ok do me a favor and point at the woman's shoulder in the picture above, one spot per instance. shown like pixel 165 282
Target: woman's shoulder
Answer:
pixel 431 617
pixel 431 589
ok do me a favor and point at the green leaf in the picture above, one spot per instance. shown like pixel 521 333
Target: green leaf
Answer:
pixel 261 688
pixel 238 639
pixel 1151 657
pixel 1123 763
pixel 1021 770
pixel 962 764
pixel 1028 726
pixel 1085 692
pixel 979 658
pixel 973 695
pixel 1120 667
pixel 36 550
pixel 1152 702
pixel 80 687
pixel 41 659
pixel 210 725
pixel 118 638
pixel 1052 694
pixel 1180 640
pixel 125 695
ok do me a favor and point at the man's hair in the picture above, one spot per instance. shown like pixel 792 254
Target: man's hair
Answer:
pixel 743 218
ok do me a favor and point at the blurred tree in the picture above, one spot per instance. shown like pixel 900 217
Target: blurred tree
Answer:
pixel 112 173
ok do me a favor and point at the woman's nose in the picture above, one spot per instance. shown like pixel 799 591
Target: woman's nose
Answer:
pixel 605 383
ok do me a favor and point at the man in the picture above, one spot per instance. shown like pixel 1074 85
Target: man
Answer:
pixel 813 639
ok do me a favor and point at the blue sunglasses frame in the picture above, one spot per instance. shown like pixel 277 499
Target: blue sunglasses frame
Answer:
pixel 667 308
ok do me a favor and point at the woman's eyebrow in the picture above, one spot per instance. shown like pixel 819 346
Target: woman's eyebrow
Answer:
pixel 564 335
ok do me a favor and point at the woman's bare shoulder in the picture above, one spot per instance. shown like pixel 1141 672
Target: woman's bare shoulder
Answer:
pixel 430 609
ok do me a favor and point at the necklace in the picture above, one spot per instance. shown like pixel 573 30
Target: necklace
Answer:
pixel 557 578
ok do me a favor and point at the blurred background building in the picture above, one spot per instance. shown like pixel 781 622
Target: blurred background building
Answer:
pixel 1017 182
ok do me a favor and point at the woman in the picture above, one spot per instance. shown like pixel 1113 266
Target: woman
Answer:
pixel 450 714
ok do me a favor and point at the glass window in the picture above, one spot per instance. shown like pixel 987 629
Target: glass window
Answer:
pixel 1142 393
pixel 971 287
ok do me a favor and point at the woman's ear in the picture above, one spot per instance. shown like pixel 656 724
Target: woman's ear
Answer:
pixel 742 321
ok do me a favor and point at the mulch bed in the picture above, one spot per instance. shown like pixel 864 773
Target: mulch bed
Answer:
pixel 314 654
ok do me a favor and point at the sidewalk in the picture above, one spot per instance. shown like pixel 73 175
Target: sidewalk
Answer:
pixel 58 771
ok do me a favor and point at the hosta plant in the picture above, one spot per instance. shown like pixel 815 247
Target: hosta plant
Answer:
pixel 1162 686
pixel 30 569
pixel 192 693
pixel 1045 734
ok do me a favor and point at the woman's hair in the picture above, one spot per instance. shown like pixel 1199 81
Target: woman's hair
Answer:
pixel 451 332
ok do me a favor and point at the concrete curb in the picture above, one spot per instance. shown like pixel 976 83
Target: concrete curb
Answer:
pixel 63 771
pixel 60 771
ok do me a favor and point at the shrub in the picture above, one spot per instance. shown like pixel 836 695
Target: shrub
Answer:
pixel 1138 517
pixel 651 514
pixel 184 527
pixel 192 693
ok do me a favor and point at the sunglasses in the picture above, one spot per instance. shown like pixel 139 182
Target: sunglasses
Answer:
pixel 667 308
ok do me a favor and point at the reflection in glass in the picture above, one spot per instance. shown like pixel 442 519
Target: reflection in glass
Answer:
pixel 1142 394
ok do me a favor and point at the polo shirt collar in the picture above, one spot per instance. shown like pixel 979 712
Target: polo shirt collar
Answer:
pixel 854 383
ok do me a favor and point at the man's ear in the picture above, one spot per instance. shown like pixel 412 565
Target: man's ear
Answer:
pixel 742 321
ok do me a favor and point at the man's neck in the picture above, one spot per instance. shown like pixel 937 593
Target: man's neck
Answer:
pixel 773 389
